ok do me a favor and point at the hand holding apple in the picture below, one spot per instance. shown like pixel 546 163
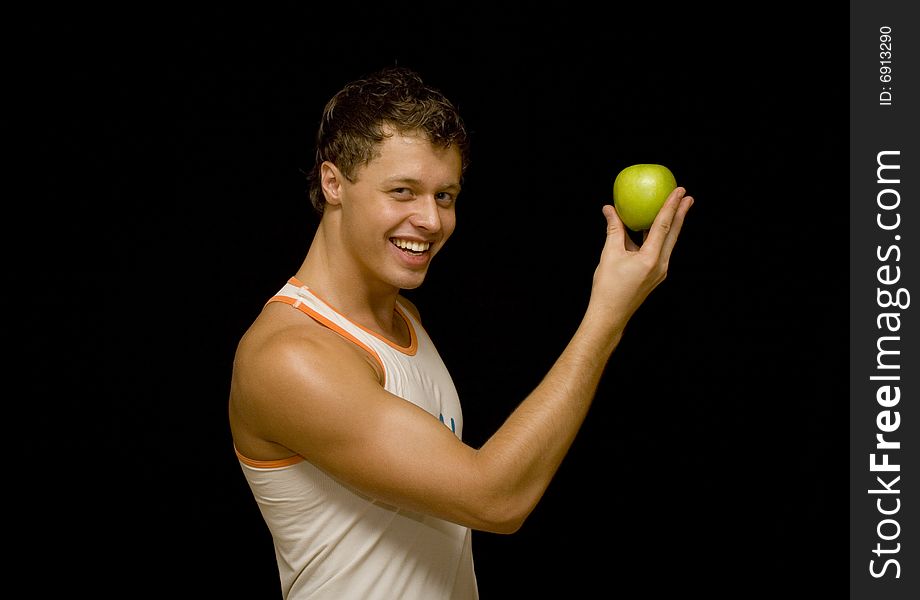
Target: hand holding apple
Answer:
pixel 628 272
pixel 639 191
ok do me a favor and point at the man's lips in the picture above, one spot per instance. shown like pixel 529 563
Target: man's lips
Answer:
pixel 414 247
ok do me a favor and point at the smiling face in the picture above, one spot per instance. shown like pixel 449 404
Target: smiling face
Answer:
pixel 398 211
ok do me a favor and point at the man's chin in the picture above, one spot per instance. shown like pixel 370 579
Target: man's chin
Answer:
pixel 411 281
pixel 411 285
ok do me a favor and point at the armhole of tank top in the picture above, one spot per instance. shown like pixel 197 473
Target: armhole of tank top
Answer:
pixel 325 322
pixel 278 463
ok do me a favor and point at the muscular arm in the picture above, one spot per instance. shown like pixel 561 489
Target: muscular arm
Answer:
pixel 321 398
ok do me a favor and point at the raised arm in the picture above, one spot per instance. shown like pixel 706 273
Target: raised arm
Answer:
pixel 530 445
pixel 320 397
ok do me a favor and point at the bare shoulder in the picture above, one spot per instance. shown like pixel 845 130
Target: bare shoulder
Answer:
pixel 286 364
pixel 284 346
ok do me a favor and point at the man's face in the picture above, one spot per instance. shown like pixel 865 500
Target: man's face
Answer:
pixel 399 211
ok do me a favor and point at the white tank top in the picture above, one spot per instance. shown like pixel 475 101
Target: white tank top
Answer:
pixel 333 542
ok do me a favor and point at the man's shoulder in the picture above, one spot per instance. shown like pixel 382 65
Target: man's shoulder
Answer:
pixel 285 343
pixel 288 370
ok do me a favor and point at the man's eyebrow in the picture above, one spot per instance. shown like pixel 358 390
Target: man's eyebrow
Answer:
pixel 418 182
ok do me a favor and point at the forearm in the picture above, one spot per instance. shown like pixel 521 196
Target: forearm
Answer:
pixel 518 462
pixel 522 457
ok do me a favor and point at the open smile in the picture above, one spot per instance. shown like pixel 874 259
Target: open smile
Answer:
pixel 411 247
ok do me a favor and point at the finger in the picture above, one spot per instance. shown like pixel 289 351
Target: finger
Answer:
pixel 631 245
pixel 616 232
pixel 658 232
pixel 685 203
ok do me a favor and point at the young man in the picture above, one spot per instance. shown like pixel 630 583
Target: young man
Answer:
pixel 344 418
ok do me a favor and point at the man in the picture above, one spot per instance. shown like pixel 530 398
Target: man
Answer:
pixel 344 418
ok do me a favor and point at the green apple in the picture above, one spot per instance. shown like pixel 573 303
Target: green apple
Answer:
pixel 639 192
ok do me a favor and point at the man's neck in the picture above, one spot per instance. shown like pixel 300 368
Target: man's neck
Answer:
pixel 338 282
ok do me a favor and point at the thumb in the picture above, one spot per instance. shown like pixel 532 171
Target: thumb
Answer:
pixel 615 227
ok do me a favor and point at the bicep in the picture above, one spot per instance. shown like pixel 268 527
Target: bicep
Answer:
pixel 330 408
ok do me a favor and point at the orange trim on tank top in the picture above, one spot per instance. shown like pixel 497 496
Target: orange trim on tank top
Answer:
pixel 268 464
pixel 298 304
pixel 410 350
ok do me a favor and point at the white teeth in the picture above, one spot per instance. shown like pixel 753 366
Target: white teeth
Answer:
pixel 411 245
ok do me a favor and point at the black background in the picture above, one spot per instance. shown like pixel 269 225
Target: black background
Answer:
pixel 164 202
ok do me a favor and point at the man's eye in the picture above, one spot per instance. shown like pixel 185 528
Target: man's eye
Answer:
pixel 445 198
pixel 404 192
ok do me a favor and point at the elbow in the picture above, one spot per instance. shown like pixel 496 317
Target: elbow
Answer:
pixel 507 527
pixel 500 502
pixel 503 515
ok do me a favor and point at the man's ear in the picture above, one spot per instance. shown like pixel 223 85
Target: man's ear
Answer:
pixel 331 180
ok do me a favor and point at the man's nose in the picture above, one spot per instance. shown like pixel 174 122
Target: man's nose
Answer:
pixel 427 215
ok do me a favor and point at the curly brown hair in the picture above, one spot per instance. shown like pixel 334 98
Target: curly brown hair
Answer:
pixel 367 111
